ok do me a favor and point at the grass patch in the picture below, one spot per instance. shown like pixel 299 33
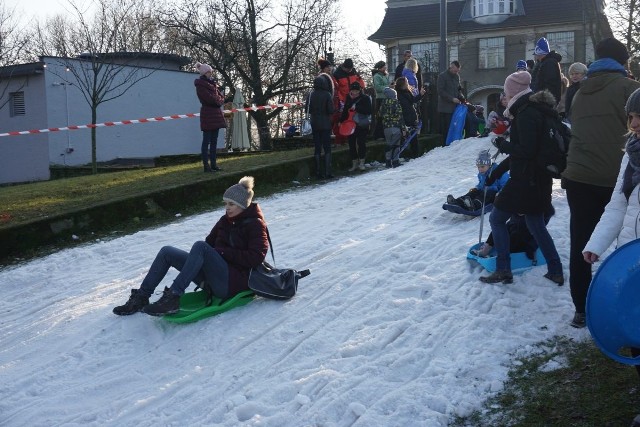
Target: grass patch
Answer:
pixel 23 203
pixel 566 383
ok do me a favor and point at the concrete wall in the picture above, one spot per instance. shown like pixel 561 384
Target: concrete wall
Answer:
pixel 162 93
pixel 25 157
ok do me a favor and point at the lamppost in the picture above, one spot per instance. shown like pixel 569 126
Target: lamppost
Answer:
pixel 69 148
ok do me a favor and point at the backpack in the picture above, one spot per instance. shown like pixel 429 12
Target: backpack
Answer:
pixel 554 146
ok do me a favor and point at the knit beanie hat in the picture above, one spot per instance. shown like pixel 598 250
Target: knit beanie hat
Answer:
pixel 390 93
pixel 612 48
pixel 241 193
pixel 577 67
pixel 355 86
pixel 521 65
pixel 484 158
pixel 542 47
pixel 348 63
pixel 203 68
pixel 516 83
pixel 633 103
pixel 323 63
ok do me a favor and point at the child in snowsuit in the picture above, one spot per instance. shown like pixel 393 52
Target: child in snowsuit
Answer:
pixel 393 125
pixel 473 200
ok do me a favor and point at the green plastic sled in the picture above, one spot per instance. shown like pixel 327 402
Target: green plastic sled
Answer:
pixel 193 308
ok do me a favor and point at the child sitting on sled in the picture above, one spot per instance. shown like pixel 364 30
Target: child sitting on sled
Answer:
pixel 393 124
pixel 477 196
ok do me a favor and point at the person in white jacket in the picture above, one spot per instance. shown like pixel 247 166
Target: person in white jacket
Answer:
pixel 621 217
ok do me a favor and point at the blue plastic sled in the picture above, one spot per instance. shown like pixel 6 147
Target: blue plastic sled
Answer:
pixel 408 139
pixel 519 261
pixel 460 210
pixel 613 303
pixel 456 128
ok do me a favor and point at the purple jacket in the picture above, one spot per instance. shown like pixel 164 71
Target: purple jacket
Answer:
pixel 211 117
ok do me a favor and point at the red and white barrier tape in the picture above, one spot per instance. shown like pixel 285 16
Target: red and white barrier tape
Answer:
pixel 151 119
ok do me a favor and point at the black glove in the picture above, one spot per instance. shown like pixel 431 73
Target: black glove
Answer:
pixel 499 142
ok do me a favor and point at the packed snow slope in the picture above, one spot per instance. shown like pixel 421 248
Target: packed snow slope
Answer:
pixel 392 328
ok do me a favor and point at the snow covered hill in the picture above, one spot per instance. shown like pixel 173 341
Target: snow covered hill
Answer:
pixel 392 328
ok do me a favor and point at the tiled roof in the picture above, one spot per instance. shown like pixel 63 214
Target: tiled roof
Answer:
pixel 424 20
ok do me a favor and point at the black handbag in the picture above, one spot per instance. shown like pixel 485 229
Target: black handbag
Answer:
pixel 275 283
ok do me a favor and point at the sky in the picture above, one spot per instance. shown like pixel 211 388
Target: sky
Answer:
pixel 392 327
pixel 362 17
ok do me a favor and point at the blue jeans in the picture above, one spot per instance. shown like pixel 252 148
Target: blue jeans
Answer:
pixel 209 146
pixel 202 263
pixel 535 223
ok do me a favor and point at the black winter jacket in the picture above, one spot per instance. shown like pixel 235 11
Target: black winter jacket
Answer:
pixel 407 102
pixel 320 103
pixel 546 75
pixel 528 190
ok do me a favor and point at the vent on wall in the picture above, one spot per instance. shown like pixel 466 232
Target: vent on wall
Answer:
pixel 17 104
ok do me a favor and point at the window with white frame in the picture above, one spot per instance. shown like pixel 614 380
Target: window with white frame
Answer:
pixel 491 53
pixel 394 59
pixel 16 104
pixel 492 7
pixel 427 54
pixel 563 43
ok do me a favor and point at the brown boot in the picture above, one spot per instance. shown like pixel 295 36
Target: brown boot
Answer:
pixel 503 276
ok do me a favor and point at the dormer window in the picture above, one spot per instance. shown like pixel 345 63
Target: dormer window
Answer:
pixel 492 11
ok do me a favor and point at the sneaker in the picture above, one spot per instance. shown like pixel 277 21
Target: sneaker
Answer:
pixel 557 278
pixel 136 303
pixel 169 303
pixel 503 276
pixel 579 320
pixel 451 200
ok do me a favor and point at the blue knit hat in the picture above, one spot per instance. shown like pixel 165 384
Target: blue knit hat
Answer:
pixel 542 47
pixel 521 65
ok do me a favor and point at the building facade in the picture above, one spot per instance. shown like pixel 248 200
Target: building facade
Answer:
pixel 488 37
pixel 45 95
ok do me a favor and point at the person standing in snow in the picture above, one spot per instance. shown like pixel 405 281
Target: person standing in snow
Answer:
pixel 237 243
pixel 211 117
pixel 598 125
pixel 320 107
pixel 449 95
pixel 546 73
pixel 528 190
pixel 620 218
pixel 360 103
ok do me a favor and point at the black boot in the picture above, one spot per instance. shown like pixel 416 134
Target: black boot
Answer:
pixel 169 303
pixel 327 166
pixel 207 168
pixel 319 174
pixel 136 303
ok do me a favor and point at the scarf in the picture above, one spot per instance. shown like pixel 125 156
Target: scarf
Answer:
pixel 512 101
pixel 606 64
pixel 632 172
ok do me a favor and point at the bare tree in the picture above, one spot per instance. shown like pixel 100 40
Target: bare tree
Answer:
pixel 13 40
pixel 626 26
pixel 101 67
pixel 267 49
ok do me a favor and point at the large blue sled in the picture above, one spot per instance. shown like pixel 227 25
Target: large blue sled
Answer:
pixel 519 260
pixel 456 128
pixel 460 210
pixel 613 303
